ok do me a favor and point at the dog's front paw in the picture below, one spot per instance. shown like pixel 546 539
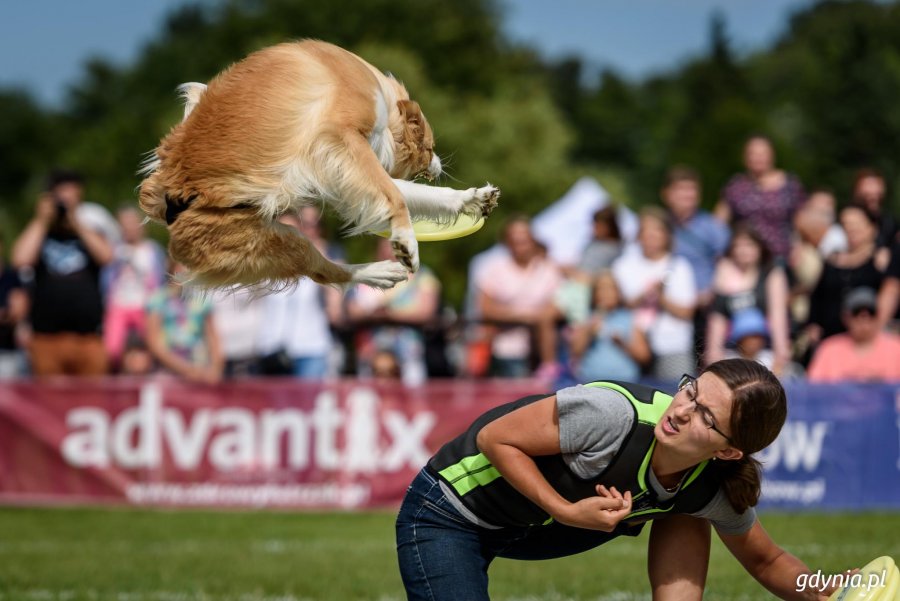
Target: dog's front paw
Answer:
pixel 406 249
pixel 484 201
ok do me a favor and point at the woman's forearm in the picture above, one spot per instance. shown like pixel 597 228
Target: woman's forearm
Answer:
pixel 782 575
pixel 679 311
pixel 522 473
pixel 777 301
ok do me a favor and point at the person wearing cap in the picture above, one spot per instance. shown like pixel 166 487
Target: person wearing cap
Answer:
pixel 749 339
pixel 749 336
pixel 864 352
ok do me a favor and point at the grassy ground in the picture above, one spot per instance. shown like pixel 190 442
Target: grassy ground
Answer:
pixel 129 555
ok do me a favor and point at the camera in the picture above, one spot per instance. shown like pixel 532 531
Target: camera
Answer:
pixel 61 208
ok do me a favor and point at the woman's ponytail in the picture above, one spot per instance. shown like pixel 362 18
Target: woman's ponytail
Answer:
pixel 741 481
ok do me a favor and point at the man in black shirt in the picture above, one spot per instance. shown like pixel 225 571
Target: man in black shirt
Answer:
pixel 67 307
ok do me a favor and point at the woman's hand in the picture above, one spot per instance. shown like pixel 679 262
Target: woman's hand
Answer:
pixel 203 374
pixel 652 293
pixel 46 210
pixel 780 363
pixel 603 512
pixel 814 332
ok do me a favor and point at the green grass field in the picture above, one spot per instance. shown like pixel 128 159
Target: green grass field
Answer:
pixel 130 555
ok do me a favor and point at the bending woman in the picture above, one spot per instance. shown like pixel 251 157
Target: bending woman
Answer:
pixel 550 476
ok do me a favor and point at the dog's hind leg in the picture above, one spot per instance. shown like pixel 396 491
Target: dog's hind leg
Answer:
pixel 446 204
pixel 367 196
pixel 224 247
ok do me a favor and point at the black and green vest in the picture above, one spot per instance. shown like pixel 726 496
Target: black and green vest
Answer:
pixel 482 489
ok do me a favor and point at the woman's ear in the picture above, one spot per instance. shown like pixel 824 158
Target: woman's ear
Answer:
pixel 729 454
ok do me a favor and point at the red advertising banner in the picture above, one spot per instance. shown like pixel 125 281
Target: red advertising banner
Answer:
pixel 279 443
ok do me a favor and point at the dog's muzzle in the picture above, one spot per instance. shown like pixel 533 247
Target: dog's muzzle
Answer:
pixel 434 168
pixel 175 206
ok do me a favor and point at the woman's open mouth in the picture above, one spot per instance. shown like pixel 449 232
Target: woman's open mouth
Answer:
pixel 669 427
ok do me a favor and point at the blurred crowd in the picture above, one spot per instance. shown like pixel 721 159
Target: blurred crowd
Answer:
pixel 780 272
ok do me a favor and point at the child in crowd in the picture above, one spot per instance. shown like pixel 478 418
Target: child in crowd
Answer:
pixel 749 337
pixel 609 344
pixel 135 273
pixel 393 320
pixel 180 331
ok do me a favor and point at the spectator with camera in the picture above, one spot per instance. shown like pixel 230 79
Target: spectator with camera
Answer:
pixel 65 244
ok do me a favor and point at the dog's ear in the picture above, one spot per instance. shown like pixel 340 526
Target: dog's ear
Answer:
pixel 410 111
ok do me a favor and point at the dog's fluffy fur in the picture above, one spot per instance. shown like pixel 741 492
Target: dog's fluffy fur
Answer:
pixel 294 124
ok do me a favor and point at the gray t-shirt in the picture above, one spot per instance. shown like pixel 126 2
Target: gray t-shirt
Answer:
pixel 599 255
pixel 593 423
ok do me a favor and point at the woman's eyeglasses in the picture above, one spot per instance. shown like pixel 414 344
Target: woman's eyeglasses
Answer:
pixel 689 383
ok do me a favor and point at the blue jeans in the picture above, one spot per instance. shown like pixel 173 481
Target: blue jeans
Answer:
pixel 510 368
pixel 443 556
pixel 311 368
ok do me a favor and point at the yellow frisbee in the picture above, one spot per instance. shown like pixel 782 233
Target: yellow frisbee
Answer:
pixel 879 580
pixel 429 231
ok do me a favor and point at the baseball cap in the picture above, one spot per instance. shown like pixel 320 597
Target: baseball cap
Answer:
pixel 860 298
pixel 748 322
